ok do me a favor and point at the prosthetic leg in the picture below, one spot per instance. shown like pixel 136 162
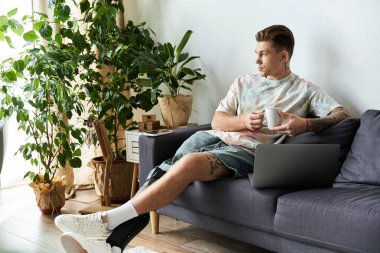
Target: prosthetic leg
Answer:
pixel 125 232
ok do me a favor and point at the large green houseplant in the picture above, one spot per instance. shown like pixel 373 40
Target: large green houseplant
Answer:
pixel 112 90
pixel 40 89
pixel 113 93
pixel 168 65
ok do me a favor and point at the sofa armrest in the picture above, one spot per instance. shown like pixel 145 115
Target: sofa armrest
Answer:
pixel 154 150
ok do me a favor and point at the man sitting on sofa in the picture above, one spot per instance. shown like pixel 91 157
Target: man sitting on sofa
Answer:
pixel 227 151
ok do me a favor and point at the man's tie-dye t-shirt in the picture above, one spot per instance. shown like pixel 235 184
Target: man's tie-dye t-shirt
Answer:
pixel 254 92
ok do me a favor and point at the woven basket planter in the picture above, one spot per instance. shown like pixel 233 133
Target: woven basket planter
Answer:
pixel 121 178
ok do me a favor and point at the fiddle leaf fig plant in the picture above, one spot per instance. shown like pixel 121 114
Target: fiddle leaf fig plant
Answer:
pixel 39 87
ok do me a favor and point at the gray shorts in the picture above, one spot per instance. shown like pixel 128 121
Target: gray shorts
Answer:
pixel 237 159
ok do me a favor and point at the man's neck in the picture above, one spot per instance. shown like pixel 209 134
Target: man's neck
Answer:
pixel 281 75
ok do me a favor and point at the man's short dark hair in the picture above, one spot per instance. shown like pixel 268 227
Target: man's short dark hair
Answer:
pixel 280 36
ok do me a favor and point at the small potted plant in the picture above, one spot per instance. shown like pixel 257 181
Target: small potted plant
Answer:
pixel 168 65
pixel 39 88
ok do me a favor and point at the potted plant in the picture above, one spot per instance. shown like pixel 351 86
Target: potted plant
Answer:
pixel 112 90
pixel 168 65
pixel 40 89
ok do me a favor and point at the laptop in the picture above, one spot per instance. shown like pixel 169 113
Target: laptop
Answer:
pixel 295 165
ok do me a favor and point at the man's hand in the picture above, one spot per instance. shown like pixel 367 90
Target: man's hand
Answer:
pixel 254 120
pixel 295 125
pixel 227 122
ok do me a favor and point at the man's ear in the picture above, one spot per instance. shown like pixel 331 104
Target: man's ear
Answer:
pixel 285 55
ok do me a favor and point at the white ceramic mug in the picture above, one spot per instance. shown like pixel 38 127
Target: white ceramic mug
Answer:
pixel 272 116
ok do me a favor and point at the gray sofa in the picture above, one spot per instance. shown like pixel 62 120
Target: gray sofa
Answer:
pixel 343 218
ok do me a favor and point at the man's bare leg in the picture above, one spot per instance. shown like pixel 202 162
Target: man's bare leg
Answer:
pixel 192 167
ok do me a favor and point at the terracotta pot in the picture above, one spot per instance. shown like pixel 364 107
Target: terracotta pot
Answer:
pixel 121 178
pixel 49 200
pixel 176 110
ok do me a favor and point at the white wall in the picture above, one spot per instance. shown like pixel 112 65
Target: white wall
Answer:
pixel 337 43
pixel 14 166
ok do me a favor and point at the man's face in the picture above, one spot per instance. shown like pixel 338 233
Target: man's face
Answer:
pixel 270 63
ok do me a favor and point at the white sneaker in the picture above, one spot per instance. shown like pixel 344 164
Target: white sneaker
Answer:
pixel 72 243
pixel 90 225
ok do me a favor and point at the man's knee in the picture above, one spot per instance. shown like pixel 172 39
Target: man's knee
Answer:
pixel 189 163
pixel 205 166
pixel 200 166
pixel 189 160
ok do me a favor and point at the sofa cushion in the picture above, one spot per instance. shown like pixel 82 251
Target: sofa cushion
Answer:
pixel 232 200
pixel 363 161
pixel 343 218
pixel 342 133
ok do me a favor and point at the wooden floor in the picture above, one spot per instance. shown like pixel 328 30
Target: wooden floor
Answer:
pixel 24 229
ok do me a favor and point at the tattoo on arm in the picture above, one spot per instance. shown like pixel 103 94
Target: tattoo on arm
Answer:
pixel 337 115
pixel 215 163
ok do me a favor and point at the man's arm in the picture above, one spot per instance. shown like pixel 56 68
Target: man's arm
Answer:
pixel 227 122
pixel 335 116
pixel 297 125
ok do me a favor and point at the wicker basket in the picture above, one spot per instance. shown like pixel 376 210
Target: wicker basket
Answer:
pixel 121 178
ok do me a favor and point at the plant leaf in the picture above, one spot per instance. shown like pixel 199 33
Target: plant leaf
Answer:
pixel 76 134
pixel 76 162
pixel 10 76
pixel 58 39
pixel 11 13
pixel 19 65
pixel 183 42
pixel 189 60
pixel 188 71
pixel 77 152
pixel 17 27
pixel 62 12
pixel 182 57
pixel 169 49
pixel 84 5
pixel 30 36
pixel 38 25
pixel 9 41
pixel 61 159
pixel 46 31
